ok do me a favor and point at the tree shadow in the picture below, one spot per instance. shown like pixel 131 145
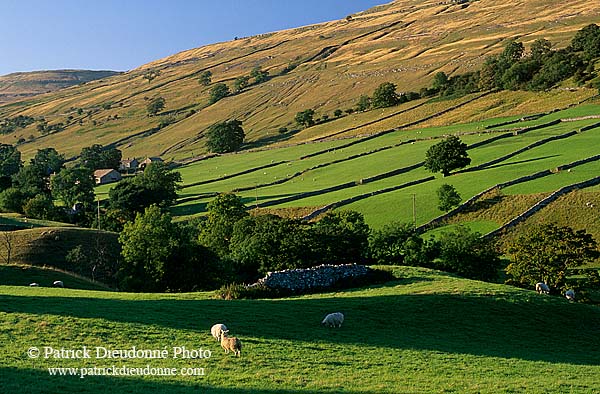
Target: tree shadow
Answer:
pixel 270 139
pixel 512 163
pixel 499 325
pixel 29 380
pixel 484 204
pixel 201 206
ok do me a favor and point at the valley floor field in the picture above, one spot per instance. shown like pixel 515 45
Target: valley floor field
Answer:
pixel 425 332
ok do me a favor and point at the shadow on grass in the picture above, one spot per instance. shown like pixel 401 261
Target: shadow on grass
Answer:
pixel 22 380
pixel 512 163
pixel 514 325
pixel 201 206
pixel 270 139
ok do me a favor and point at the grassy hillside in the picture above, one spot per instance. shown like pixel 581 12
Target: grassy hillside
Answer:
pixel 17 86
pixel 320 173
pixel 426 332
pixel 404 42
pixel 23 275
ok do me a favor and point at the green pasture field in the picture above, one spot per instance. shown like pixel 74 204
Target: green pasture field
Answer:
pixel 425 332
pixel 397 205
pixel 556 181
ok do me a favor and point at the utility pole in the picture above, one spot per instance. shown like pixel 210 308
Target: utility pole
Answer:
pixel 256 194
pixel 98 213
pixel 414 200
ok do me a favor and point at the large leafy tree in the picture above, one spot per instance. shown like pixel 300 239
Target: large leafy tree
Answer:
pixel 305 118
pixel 546 253
pixel 155 106
pixel 41 206
pixel 98 157
pixel 159 255
pixel 343 237
pixel 241 83
pixel 218 92
pixel 146 245
pixel 32 180
pixel 130 198
pixel 48 161
pixel 448 155
pixel 468 254
pixel 225 137
pixel 223 212
pixel 205 78
pixel 269 243
pixel 74 185
pixel 385 96
pixel 259 75
pixel 158 185
pixel 162 181
pixel 399 243
pixel 10 164
pixel 588 41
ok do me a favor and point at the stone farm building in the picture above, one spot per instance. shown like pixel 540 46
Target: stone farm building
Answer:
pixel 150 160
pixel 129 165
pixel 106 176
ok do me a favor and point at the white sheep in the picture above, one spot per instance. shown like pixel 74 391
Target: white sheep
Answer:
pixel 34 284
pixel 58 283
pixel 231 343
pixel 216 330
pixel 333 320
pixel 541 287
pixel 570 294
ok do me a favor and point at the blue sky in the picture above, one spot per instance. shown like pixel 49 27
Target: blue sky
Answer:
pixel 123 34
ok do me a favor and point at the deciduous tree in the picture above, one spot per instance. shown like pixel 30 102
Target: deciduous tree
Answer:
pixel 448 197
pixel 546 252
pixel 225 137
pixel 448 155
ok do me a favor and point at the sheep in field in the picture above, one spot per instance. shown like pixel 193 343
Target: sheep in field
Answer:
pixel 34 284
pixel 333 320
pixel 542 288
pixel 231 343
pixel 58 283
pixel 216 330
pixel 570 294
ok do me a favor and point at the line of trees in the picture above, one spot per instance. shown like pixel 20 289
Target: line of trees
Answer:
pixel 539 69
pixel 34 188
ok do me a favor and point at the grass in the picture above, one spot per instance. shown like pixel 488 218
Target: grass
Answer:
pixel 23 275
pixel 21 221
pixel 426 332
pixel 398 205
pixel 48 246
pixel 371 49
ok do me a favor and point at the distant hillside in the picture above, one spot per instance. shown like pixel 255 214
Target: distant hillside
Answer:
pixel 323 67
pixel 21 85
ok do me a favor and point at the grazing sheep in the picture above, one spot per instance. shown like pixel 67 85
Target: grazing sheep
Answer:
pixel 217 329
pixel 231 343
pixel 34 284
pixel 58 283
pixel 333 320
pixel 570 294
pixel 541 287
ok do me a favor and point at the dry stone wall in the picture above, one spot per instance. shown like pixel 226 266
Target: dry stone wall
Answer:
pixel 319 277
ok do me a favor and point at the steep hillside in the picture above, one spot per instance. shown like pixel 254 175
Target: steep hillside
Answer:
pixel 323 67
pixel 17 86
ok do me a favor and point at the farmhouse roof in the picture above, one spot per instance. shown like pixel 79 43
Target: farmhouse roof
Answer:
pixel 102 172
